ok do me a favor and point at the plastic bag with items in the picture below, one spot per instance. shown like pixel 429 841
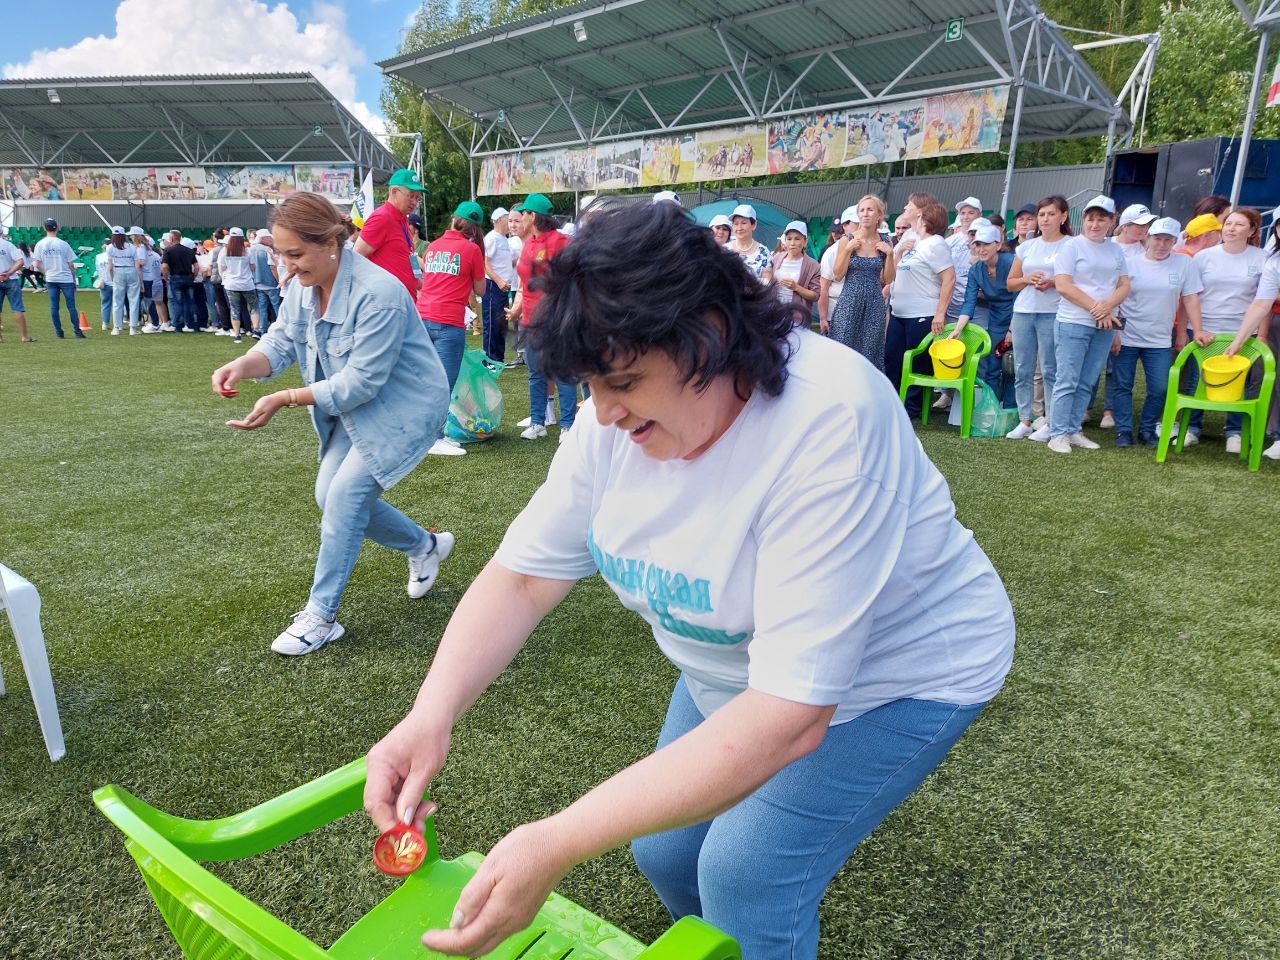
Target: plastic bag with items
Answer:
pixel 989 419
pixel 475 409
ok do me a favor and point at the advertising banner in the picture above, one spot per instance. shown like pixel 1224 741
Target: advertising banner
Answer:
pixel 337 181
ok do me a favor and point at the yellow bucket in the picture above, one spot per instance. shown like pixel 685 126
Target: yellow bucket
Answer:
pixel 1224 377
pixel 948 359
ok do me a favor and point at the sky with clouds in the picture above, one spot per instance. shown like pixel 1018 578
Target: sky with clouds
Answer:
pixel 337 40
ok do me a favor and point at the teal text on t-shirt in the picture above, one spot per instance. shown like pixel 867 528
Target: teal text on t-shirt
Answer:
pixel 663 590
pixel 442 261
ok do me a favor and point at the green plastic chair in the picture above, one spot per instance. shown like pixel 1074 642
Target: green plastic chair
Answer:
pixel 211 921
pixel 977 344
pixel 1178 406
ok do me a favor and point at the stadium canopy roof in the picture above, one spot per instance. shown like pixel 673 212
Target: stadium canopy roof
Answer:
pixel 181 120
pixel 614 69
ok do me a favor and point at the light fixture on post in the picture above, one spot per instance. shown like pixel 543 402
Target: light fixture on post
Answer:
pixel 579 31
pixel 53 95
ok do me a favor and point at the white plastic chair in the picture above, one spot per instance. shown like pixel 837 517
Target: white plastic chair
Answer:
pixel 22 602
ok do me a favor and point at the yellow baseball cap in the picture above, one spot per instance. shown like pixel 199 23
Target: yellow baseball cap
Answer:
pixel 1199 226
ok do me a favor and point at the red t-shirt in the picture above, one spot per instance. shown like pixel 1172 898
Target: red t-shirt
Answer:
pixel 450 268
pixel 387 231
pixel 537 252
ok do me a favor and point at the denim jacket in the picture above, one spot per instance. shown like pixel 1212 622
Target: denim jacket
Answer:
pixel 995 292
pixel 382 378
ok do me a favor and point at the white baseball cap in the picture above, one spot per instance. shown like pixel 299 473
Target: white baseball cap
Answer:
pixel 666 195
pixel 744 210
pixel 720 220
pixel 978 223
pixel 236 232
pixel 850 215
pixel 1165 226
pixel 799 226
pixel 987 234
pixel 188 243
pixel 117 231
pixel 498 214
pixel 147 239
pixel 970 202
pixel 136 231
pixel 263 235
pixel 1106 204
pixel 1136 213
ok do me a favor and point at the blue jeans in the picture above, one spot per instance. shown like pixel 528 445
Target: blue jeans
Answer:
pixel 152 290
pixel 11 290
pixel 352 510
pixel 127 287
pixel 1156 362
pixel 759 870
pixel 268 307
pixel 105 294
pixel 990 367
pixel 67 291
pixel 451 343
pixel 566 390
pixel 493 307
pixel 1081 354
pixel 1032 336
pixel 182 303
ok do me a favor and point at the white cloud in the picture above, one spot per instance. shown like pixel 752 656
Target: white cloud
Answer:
pixel 230 36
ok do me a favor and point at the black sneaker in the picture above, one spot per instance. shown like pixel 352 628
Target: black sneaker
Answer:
pixel 1124 439
pixel 1150 439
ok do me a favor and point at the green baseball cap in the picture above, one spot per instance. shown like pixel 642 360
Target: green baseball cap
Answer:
pixel 536 203
pixel 408 179
pixel 469 210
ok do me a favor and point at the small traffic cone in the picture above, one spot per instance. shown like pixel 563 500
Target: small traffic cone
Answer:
pixel 84 321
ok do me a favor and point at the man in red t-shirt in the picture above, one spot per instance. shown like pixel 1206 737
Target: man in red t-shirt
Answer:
pixel 384 238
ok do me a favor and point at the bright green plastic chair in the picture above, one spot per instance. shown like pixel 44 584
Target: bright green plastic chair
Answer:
pixel 211 921
pixel 976 346
pixel 1178 406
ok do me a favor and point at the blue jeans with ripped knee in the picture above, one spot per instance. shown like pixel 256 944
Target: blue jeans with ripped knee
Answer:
pixel 759 870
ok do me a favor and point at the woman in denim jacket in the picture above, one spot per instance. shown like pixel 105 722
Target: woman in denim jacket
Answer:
pixel 376 390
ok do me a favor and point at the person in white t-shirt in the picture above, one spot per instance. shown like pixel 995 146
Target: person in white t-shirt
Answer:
pixel 1135 222
pixel 829 288
pixel 1231 273
pixel 124 269
pixel 515 240
pixel 54 258
pixel 500 273
pixel 1035 314
pixel 919 296
pixel 11 263
pixel 1092 277
pixel 1160 282
pixel 967 211
pixel 756 494
pixel 1258 319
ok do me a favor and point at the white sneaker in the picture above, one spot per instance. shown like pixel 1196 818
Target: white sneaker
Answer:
pixel 1191 440
pixel 115 332
pixel 1020 432
pixel 943 402
pixel 1173 434
pixel 1108 422
pixel 443 448
pixel 222 333
pixel 1233 444
pixel 452 442
pixel 1060 445
pixel 1039 422
pixel 1041 435
pixel 534 431
pixel 106 327
pixel 307 634
pixel 1081 441
pixel 166 328
pixel 526 422
pixel 424 567
pixel 150 329
pixel 1272 452
pixel 134 331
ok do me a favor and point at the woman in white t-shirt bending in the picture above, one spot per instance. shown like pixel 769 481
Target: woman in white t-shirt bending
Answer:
pixel 755 493
pixel 919 296
pixel 1092 278
pixel 1230 272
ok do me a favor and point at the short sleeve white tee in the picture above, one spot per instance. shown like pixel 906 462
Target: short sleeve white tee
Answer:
pixel 497 250
pixel 236 275
pixel 100 269
pixel 1231 282
pixel 961 259
pixel 516 245
pixel 1131 250
pixel 827 270
pixel 55 256
pixel 1152 303
pixel 1095 268
pixel 9 255
pixel 811 553
pixel 787 270
pixel 123 259
pixel 1038 254
pixel 917 285
pixel 1269 284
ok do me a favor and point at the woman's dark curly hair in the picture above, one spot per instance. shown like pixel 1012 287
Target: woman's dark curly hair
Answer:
pixel 647 277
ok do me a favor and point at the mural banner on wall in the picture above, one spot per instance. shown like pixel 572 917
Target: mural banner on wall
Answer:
pixel 969 121
pixel 269 181
pixel 181 183
pixel 336 181
pixel 87 183
pixel 225 182
pixel 31 183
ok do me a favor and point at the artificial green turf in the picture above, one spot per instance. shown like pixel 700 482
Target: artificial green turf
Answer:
pixel 1118 799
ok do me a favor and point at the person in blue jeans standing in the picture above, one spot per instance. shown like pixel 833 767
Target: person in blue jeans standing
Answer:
pixel 452 271
pixel 756 493
pixel 12 262
pixel 55 259
pixel 1160 280
pixel 375 390
pixel 1092 276
pixel 266 279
